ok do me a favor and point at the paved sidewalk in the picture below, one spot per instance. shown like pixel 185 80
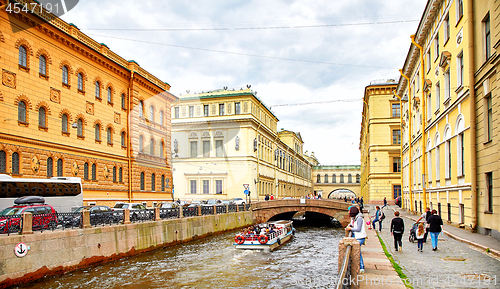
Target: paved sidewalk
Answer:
pixel 480 241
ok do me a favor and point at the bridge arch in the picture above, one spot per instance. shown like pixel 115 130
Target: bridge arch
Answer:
pixel 264 211
pixel 340 193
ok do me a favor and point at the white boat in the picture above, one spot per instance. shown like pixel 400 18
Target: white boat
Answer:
pixel 271 236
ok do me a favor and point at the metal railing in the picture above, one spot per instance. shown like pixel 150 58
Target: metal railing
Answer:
pixel 345 271
pixel 11 224
pixel 232 208
pixel 189 211
pixel 170 213
pixel 207 210
pixel 221 209
pixel 142 215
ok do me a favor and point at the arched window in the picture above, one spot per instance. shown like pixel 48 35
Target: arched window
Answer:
pixel 141 108
pixel 94 172
pixel 161 117
pixel 42 65
pixel 110 99
pixel 97 90
pixel 318 179
pixel 80 82
pixel 79 130
pixel 141 144
pixel 64 123
pixel 15 163
pixel 142 181
pixel 162 147
pixel 167 182
pixel 153 182
pixel 342 178
pixel 86 171
pixel 123 101
pixel 334 178
pixel 349 178
pixel 41 117
pixel 97 132
pixel 23 56
pixel 110 136
pixel 123 139
pixel 162 183
pixel 358 178
pixel 21 111
pixel 50 168
pixel 3 162
pixel 59 168
pixel 152 147
pixel 120 175
pixel 65 79
pixel 326 178
pixel 114 174
pixel 151 113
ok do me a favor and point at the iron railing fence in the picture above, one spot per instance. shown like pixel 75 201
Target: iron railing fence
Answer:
pixel 221 209
pixel 11 224
pixel 232 208
pixel 207 210
pixel 190 211
pixel 170 213
pixel 142 215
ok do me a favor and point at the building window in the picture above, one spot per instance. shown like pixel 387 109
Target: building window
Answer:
pixel 59 167
pixel 438 96
pixel 396 137
pixel 192 187
pixel 396 191
pixel 460 70
pixel 205 110
pixel 429 164
pixel 460 10
pixel 221 109
pixel 206 148
pixel 65 74
pixel 162 148
pixel 326 179
pixel 438 176
pixel 23 57
pixel 447 84
pixel 193 149
pixel 167 182
pixel 176 112
pixel 50 168
pixel 142 181
pixel 21 112
pixel 64 123
pixel 334 178
pixel 318 178
pixel 97 132
pixel 141 144
pixel 436 47
pixel 3 162
pixel 342 178
pixel 461 155
pixel 110 95
pixel 80 82
pixel 120 175
pixel 94 172
pixel 123 98
pixel 487 37
pixel 97 90
pixel 396 112
pixel 446 28
pixel 114 174
pixel 41 117
pixel 141 108
pixel 86 171
pixel 42 65
pixel 489 192
pixel 237 108
pixel 161 117
pixel 122 139
pixel 191 111
pixel 447 162
pixel 162 183
pixel 206 186
pixel 349 179
pixel 153 182
pixel 151 146
pixel 489 118
pixel 219 148
pixel 218 187
pixel 428 56
pixel 110 136
pixel 429 106
pixel 358 178
pixel 396 165
pixel 152 113
pixel 15 163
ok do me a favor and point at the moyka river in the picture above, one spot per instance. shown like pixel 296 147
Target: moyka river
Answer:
pixel 308 261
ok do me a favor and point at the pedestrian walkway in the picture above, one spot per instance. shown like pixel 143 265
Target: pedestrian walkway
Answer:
pixel 481 241
pixel 453 265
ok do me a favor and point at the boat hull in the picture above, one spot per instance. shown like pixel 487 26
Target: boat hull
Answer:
pixel 270 246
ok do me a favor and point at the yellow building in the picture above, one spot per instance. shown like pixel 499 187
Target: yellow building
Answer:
pixel 337 181
pixel 439 116
pixel 71 107
pixel 380 143
pixel 225 139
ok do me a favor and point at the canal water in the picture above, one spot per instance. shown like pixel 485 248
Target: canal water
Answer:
pixel 308 261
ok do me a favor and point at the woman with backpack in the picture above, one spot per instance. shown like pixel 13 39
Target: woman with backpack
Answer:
pixel 357 226
pixel 379 217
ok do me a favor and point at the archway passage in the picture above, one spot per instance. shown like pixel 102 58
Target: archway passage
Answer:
pixel 340 194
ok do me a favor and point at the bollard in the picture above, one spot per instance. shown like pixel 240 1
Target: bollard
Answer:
pixel 354 257
pixel 199 210
pixel 215 210
pixel 86 219
pixel 181 211
pixel 227 208
pixel 237 208
pixel 27 224
pixel 157 214
pixel 126 216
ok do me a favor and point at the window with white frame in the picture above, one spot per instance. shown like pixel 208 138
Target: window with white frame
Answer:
pixel 487 37
pixel 438 175
pixel 206 148
pixel 447 84
pixel 218 187
pixel 460 155
pixel 219 148
pixel 460 69
pixel 447 160
pixel 436 47
pixel 460 9
pixel 193 149
pixel 429 105
pixel 446 28
pixel 206 186
pixel 429 164
pixel 191 111
pixel 438 96
pixel 192 187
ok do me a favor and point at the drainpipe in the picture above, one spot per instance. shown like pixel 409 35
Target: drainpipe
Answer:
pixel 129 142
pixel 258 164
pixel 472 105
pixel 401 141
pixel 409 140
pixel 424 119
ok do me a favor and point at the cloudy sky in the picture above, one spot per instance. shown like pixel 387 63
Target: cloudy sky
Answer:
pixel 292 52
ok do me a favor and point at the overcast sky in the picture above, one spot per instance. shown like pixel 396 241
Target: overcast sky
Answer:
pixel 289 51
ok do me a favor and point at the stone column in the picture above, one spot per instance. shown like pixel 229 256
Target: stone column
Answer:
pixel 227 208
pixel 126 216
pixel 215 210
pixel 181 211
pixel 86 219
pixel 157 214
pixel 237 208
pixel 27 224
pixel 355 251
pixel 199 210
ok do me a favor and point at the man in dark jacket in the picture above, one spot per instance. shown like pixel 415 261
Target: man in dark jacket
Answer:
pixel 397 230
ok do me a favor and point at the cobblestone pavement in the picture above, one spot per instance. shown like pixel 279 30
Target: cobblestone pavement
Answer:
pixel 453 265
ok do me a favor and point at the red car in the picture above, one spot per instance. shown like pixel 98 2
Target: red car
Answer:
pixel 44 216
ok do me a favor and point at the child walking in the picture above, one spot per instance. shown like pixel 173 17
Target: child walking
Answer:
pixel 420 236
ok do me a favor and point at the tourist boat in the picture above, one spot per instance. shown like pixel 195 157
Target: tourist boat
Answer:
pixel 279 233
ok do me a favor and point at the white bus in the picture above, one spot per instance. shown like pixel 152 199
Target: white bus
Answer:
pixel 64 194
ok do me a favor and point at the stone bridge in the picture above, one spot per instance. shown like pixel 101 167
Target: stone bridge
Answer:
pixel 264 211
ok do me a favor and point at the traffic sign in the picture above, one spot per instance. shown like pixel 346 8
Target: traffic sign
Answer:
pixel 21 250
pixel 246 192
pixel 246 186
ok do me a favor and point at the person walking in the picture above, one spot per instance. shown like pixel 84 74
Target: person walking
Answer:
pixel 425 216
pixel 385 203
pixel 435 227
pixel 378 217
pixel 420 237
pixel 397 230
pixel 357 226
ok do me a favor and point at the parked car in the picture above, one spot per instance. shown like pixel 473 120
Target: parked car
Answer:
pixel 398 201
pixel 228 202
pixel 168 205
pixel 239 201
pixel 44 216
pixel 212 202
pixel 137 211
pixel 197 203
pixel 98 215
